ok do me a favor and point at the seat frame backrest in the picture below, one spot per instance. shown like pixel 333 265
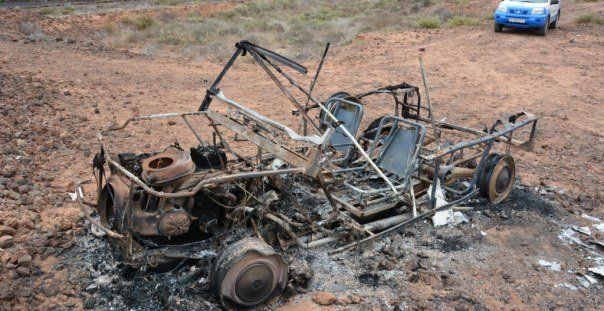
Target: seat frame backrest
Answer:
pixel 350 113
pixel 400 151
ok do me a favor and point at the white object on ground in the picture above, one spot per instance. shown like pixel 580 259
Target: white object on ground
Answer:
pixel 74 195
pixel 583 281
pixel 569 286
pixel 597 270
pixel 448 217
pixel 584 230
pixel 600 227
pixel 591 279
pixel 554 266
pixel 277 164
pixel 104 280
pixel 96 231
pixel 592 218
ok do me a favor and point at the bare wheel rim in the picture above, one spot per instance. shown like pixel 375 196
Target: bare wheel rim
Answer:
pixel 254 284
pixel 248 273
pixel 501 180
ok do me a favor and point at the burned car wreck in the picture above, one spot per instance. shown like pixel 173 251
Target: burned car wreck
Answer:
pixel 236 212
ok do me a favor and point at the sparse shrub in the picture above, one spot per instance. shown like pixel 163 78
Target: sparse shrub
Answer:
pixel 46 11
pixel 67 10
pixel 142 22
pixel 167 2
pixel 590 18
pixel 300 27
pixel 443 13
pixel 463 21
pixel 428 22
pixel 462 2
pixel 58 11
pixel 172 39
pixel 109 27
pixel 33 31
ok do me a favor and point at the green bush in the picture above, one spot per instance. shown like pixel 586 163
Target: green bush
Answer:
pixel 46 11
pixel 428 22
pixel 67 10
pixel 462 21
pixel 143 22
pixel 590 18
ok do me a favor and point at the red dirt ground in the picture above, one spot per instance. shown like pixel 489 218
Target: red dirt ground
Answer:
pixel 51 91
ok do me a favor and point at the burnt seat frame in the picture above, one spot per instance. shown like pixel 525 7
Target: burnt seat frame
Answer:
pixel 350 114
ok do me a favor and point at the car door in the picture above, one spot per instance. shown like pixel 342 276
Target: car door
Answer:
pixel 554 7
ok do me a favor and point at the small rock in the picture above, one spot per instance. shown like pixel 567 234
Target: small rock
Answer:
pixel 89 303
pixel 29 224
pixel 355 299
pixel 324 298
pixel 6 230
pixel 67 92
pixel 23 271
pixel 171 122
pixel 507 277
pixel 344 301
pixel 6 241
pixel 24 261
pixel 49 291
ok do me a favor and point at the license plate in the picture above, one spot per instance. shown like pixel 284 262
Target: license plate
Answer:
pixel 517 20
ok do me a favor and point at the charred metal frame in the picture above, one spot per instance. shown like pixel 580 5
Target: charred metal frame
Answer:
pixel 431 167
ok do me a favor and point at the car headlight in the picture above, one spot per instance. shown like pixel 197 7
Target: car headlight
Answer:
pixel 538 11
pixel 502 8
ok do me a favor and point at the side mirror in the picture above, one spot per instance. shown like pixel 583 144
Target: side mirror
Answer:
pixel 555 2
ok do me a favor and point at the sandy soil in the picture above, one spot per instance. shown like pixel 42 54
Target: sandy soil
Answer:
pixel 55 95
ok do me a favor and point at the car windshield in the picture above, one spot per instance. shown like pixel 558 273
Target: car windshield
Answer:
pixel 531 1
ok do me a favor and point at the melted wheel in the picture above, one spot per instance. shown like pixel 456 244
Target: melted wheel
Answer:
pixel 497 177
pixel 248 273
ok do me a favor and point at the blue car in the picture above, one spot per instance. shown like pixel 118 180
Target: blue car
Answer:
pixel 528 14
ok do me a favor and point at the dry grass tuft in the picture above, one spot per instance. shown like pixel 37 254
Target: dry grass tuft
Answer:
pixel 428 22
pixel 590 18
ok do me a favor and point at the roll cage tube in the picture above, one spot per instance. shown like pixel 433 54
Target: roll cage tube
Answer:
pixel 242 48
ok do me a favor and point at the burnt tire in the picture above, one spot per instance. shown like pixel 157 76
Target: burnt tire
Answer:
pixel 248 273
pixel 106 208
pixel 496 178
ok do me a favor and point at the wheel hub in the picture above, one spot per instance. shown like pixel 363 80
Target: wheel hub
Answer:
pixel 255 283
pixel 248 273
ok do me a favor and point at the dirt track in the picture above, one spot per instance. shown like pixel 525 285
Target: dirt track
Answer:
pixel 57 94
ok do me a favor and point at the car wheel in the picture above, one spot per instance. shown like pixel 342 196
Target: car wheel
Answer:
pixel 496 179
pixel 247 273
pixel 554 25
pixel 543 30
pixel 498 27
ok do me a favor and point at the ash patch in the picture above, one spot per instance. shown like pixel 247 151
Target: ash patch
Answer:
pixel 453 240
pixel 108 284
pixel 369 279
pixel 387 272
pixel 523 199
